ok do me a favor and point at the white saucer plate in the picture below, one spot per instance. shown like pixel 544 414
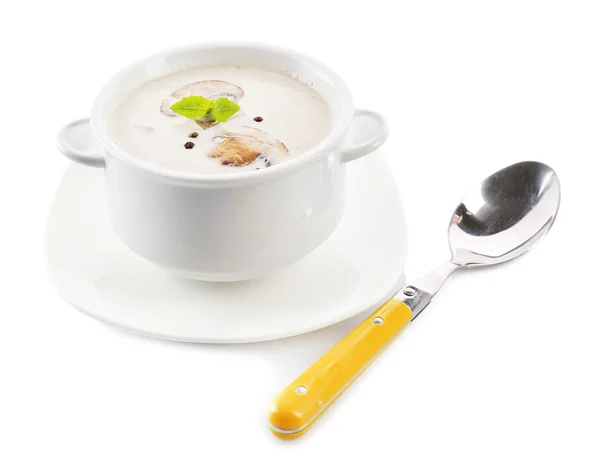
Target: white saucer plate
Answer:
pixel 354 271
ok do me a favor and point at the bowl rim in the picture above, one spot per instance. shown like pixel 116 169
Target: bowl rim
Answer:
pixel 321 150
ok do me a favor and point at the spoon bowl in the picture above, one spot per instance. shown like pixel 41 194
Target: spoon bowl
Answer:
pixel 506 215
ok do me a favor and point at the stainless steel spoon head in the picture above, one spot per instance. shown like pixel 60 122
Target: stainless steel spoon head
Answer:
pixel 505 216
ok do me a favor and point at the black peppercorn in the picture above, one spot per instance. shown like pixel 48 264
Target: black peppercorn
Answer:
pixel 189 145
pixel 258 119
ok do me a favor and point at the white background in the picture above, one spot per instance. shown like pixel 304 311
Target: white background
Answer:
pixel 501 373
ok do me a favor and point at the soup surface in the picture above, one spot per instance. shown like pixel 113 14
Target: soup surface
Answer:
pixel 279 118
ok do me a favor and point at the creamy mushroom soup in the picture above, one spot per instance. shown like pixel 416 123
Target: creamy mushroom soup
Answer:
pixel 221 119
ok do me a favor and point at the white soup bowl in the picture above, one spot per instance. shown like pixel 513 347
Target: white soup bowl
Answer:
pixel 226 227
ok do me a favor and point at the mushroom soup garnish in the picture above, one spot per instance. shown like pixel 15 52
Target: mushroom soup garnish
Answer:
pixel 211 90
pixel 243 145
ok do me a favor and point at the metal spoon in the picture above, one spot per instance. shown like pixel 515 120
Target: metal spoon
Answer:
pixel 502 218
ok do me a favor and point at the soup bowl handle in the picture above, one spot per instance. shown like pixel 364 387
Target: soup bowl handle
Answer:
pixel 77 142
pixel 368 132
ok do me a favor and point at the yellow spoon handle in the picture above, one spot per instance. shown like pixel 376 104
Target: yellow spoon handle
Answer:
pixel 296 408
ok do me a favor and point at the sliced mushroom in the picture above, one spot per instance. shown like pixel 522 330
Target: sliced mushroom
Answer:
pixel 208 122
pixel 210 89
pixel 243 145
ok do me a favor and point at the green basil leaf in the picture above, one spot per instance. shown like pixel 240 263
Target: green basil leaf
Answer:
pixel 223 109
pixel 194 106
